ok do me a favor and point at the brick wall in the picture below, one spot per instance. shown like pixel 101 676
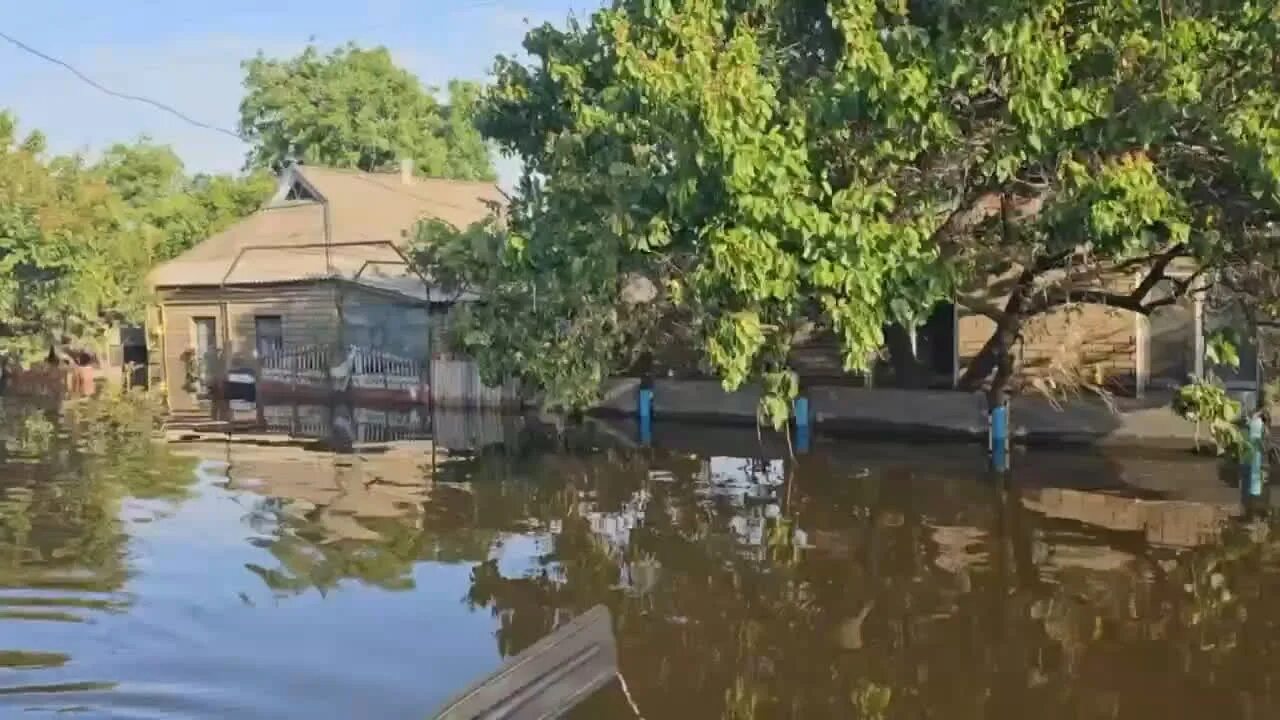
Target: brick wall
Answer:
pixel 1092 338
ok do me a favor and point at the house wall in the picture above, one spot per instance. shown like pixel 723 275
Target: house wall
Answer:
pixel 379 320
pixel 1087 337
pixel 308 317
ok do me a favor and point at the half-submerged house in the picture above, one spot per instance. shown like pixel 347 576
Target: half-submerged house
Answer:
pixel 312 293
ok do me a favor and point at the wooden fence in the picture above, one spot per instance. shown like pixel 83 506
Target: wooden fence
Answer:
pixel 53 382
pixel 41 381
pixel 457 383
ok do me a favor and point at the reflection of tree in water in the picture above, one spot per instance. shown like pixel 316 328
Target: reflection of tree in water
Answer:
pixel 314 553
pixel 906 596
pixel 61 490
pixel 457 515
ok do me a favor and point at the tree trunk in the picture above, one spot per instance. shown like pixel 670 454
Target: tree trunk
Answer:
pixel 997 354
pixel 997 392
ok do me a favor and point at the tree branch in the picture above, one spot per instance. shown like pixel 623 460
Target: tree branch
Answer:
pixel 1135 301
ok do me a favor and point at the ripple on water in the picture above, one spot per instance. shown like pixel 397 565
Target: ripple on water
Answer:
pixel 45 615
pixel 26 659
pixel 25 601
pixel 68 687
pixel 56 608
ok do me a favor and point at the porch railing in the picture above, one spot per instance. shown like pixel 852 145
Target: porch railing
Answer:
pixel 361 367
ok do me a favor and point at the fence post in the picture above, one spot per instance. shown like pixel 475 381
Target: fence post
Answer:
pixel 801 409
pixel 1254 456
pixel 998 437
pixel 646 415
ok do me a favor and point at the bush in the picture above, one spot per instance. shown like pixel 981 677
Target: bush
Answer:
pixel 1207 404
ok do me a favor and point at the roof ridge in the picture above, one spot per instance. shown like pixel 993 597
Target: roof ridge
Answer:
pixel 393 174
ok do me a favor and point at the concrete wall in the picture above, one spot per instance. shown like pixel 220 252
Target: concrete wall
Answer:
pixel 1134 422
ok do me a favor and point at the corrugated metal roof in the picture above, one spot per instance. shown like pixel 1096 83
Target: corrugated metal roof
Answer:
pixel 271 245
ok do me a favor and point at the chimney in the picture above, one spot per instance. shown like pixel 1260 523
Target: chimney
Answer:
pixel 406 171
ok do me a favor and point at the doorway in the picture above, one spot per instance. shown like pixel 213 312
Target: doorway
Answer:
pixel 206 355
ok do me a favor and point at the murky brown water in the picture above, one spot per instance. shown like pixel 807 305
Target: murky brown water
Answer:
pixel 215 580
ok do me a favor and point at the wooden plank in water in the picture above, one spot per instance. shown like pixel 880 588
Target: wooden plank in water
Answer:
pixel 547 680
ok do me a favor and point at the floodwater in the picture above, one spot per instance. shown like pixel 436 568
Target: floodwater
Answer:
pixel 863 580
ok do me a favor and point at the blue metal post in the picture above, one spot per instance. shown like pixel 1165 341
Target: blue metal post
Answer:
pixel 801 409
pixel 646 415
pixel 1254 456
pixel 998 438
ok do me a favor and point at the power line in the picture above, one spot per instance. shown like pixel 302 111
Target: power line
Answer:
pixel 123 96
pixel 472 5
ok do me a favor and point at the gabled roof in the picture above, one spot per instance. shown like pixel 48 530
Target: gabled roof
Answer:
pixel 285 240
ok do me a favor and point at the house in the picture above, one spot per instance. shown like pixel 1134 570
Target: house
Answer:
pixel 313 291
pixel 1122 350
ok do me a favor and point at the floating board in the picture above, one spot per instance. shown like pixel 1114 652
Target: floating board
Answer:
pixel 547 680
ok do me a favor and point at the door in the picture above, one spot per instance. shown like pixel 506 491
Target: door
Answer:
pixel 206 335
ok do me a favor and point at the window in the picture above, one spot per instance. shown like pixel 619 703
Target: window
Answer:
pixel 269 332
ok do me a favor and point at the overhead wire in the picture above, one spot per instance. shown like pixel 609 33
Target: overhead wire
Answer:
pixel 83 77
pixel 165 107
pixel 115 93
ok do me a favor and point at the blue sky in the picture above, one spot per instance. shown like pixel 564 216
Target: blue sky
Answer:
pixel 187 53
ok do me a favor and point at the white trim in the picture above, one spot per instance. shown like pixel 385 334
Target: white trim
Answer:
pixel 1141 354
pixel 288 178
pixel 1141 348
pixel 955 344
pixel 1198 336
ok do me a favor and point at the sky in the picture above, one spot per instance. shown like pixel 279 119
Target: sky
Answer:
pixel 187 53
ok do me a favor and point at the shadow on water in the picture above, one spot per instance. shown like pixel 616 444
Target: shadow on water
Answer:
pixel 867 580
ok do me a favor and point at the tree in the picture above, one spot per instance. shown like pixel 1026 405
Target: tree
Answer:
pixel 168 210
pixel 761 171
pixel 77 239
pixel 65 269
pixel 355 108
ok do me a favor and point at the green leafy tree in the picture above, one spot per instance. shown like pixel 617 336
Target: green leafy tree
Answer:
pixel 65 266
pixel 743 173
pixel 169 211
pixel 77 238
pixel 355 108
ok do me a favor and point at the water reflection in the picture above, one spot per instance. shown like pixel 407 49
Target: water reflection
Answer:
pixel 874 581
pixel 746 588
